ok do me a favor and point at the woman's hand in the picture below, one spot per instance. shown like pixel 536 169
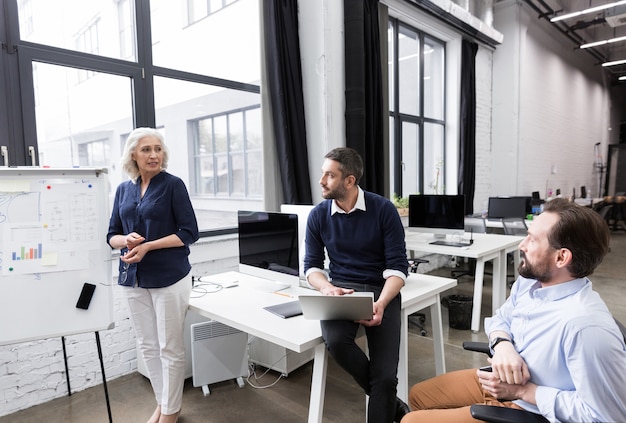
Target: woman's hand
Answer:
pixel 133 239
pixel 136 248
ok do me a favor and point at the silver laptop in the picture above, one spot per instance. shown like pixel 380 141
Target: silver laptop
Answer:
pixel 355 306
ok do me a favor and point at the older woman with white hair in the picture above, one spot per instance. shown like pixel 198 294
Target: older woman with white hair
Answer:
pixel 153 224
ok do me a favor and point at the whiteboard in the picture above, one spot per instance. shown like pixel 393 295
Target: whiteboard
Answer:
pixel 53 225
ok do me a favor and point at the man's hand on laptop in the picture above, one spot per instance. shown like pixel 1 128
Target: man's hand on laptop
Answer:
pixel 335 290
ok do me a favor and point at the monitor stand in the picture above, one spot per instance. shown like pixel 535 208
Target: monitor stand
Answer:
pixel 439 237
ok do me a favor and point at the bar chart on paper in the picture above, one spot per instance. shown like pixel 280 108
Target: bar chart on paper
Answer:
pixel 27 253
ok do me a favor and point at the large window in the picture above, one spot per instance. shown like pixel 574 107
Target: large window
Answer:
pixel 88 77
pixel 227 155
pixel 416 115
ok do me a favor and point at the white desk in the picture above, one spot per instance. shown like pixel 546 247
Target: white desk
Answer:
pixel 242 308
pixel 486 247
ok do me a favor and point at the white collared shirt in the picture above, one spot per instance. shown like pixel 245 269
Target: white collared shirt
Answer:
pixel 359 205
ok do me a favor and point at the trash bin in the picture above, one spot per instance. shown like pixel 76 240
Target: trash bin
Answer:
pixel 459 311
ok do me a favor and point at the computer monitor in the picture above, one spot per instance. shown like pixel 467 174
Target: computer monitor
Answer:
pixel 268 245
pixel 439 215
pixel 504 207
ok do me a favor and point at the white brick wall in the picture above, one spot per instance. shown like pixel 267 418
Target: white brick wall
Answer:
pixel 484 88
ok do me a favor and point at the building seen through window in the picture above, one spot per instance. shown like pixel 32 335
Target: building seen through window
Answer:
pixel 203 97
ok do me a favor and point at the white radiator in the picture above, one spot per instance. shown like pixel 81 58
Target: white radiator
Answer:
pixel 218 353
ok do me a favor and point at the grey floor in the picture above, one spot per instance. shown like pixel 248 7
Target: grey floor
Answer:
pixel 287 400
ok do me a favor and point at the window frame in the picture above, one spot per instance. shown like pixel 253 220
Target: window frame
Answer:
pixel 397 118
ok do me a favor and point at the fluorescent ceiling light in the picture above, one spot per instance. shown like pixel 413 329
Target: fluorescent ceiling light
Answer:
pixel 590 10
pixel 603 42
pixel 622 78
pixel 617 62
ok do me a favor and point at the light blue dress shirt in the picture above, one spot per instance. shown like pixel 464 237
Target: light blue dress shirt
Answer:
pixel 572 346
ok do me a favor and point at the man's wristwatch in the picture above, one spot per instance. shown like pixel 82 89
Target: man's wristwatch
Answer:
pixel 497 340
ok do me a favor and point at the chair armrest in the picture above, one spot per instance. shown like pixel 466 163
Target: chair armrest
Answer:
pixel 494 414
pixel 482 347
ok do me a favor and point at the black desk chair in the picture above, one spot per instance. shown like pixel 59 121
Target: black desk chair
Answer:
pixel 473 225
pixel 494 414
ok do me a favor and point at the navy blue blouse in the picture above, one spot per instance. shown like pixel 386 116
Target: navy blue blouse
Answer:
pixel 165 209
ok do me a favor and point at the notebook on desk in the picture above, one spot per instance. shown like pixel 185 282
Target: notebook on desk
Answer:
pixel 355 306
pixel 285 310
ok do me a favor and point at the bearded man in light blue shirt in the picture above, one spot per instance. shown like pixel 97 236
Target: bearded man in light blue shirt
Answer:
pixel 557 350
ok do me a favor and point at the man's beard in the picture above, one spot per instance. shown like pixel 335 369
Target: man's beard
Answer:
pixel 538 271
pixel 335 194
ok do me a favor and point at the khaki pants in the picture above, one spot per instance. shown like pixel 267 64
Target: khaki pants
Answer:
pixel 448 397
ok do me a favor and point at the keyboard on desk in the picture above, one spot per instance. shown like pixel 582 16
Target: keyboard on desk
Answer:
pixel 450 243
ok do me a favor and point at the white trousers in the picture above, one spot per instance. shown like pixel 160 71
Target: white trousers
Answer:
pixel 158 317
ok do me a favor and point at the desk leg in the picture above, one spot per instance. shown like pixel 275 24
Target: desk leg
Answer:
pixel 499 281
pixel 478 293
pixel 437 326
pixel 403 361
pixel 318 384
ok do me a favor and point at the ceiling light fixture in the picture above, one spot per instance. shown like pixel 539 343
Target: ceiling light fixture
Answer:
pixel 590 10
pixel 603 42
pixel 616 62
pixel 622 78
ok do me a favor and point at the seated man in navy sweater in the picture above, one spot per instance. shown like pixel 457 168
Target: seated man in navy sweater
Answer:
pixel 363 235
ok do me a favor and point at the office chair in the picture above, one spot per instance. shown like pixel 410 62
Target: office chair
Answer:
pixel 494 414
pixel 473 225
pixel 417 319
pixel 604 212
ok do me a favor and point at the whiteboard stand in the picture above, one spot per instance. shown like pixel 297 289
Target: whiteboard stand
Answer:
pixel 52 222
pixel 104 378
pixel 51 248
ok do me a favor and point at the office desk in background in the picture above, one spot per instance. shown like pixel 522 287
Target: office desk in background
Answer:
pixel 242 308
pixel 497 223
pixel 486 247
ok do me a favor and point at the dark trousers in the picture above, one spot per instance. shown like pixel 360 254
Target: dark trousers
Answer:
pixel 377 375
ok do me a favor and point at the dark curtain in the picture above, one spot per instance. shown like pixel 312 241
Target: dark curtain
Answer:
pixel 364 114
pixel 467 162
pixel 282 49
